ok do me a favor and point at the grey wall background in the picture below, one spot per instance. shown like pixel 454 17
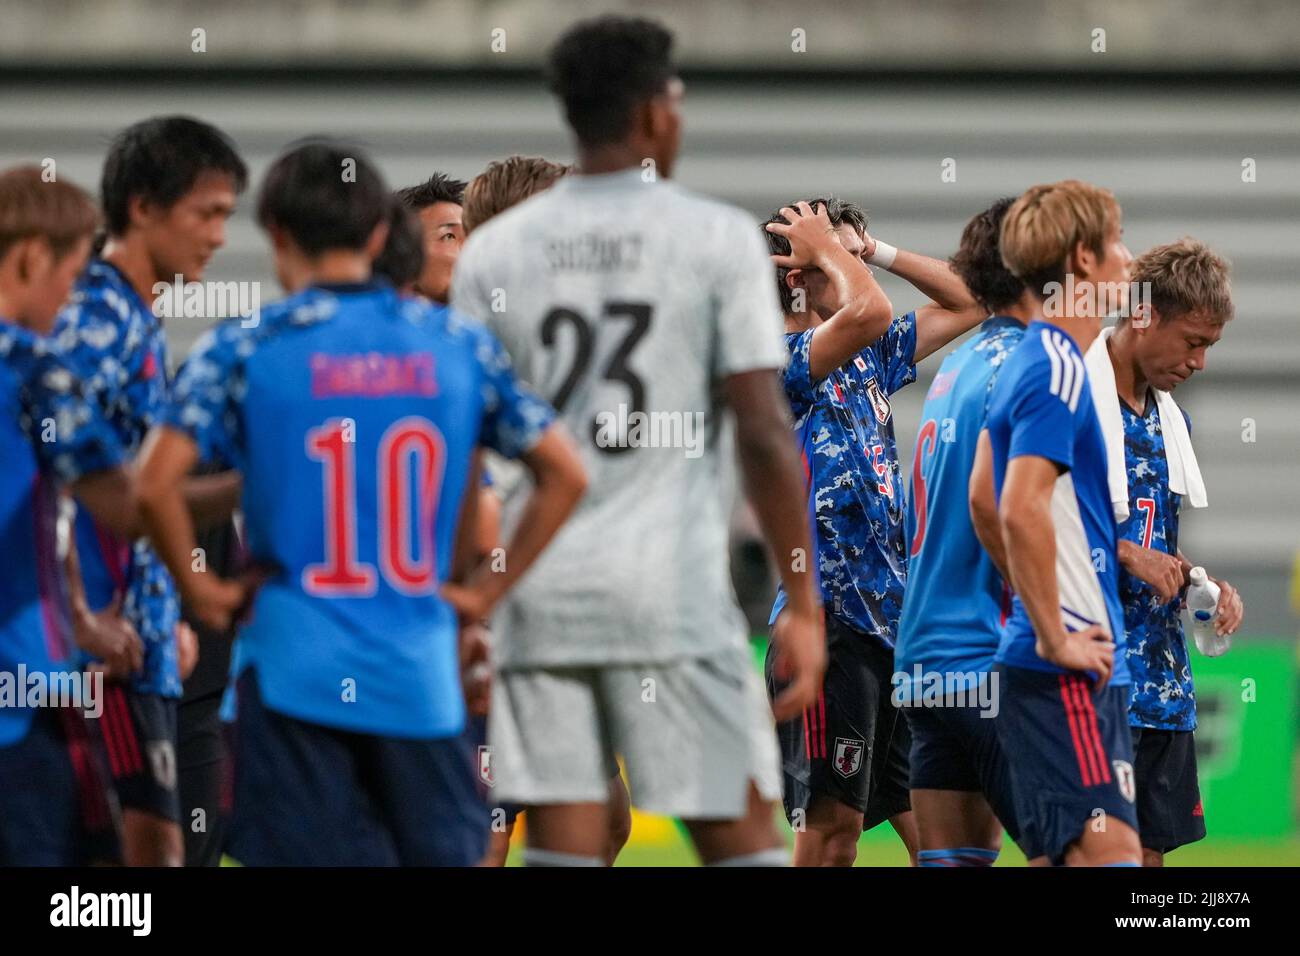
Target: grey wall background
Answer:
pixel 1171 147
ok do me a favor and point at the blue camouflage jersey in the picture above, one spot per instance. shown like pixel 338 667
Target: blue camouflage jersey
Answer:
pixel 52 431
pixel 1156 649
pixel 116 344
pixel 353 416
pixel 945 628
pixel 844 426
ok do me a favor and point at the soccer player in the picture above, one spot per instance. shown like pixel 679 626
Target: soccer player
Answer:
pixel 647 314
pixel 168 186
pixel 352 415
pixel 1153 351
pixel 846 760
pixel 437 202
pixel 56 801
pixel 503 184
pixel 956 598
pixel 1062 719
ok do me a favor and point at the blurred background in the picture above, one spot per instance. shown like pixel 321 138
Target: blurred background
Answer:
pixel 924 112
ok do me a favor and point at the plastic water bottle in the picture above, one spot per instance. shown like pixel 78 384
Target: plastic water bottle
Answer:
pixel 1202 604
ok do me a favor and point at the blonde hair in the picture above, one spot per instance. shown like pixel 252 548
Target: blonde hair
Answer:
pixel 1043 227
pixel 30 207
pixel 506 183
pixel 1185 277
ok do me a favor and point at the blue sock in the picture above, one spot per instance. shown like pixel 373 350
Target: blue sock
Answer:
pixel 957 856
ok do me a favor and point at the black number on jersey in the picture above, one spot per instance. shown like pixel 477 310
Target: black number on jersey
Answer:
pixel 616 369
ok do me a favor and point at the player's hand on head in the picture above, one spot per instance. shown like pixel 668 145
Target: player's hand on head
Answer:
pixel 807 231
pixel 1164 572
pixel 1230 611
pixel 1090 650
pixel 106 634
pixel 800 641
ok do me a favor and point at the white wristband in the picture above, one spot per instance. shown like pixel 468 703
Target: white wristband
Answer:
pixel 884 255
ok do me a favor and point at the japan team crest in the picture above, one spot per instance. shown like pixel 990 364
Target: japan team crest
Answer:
pixel 485 765
pixel 1124 779
pixel 848 756
pixel 879 402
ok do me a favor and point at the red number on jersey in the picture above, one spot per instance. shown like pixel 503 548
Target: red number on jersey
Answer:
pixel 413 573
pixel 341 575
pixel 881 467
pixel 1149 506
pixel 411 437
pixel 928 436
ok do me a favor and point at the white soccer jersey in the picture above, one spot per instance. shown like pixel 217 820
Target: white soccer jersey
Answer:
pixel 626 303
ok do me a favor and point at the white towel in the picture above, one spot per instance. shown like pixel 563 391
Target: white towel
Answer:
pixel 1184 473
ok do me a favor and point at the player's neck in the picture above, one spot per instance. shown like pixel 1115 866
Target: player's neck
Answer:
pixel 333 267
pixel 1084 329
pixel 130 257
pixel 1130 383
pixel 611 158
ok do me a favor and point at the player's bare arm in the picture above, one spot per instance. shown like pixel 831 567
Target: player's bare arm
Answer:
pixel 110 498
pixel 1164 572
pixel 559 482
pixel 983 505
pixel 864 312
pixel 166 458
pixel 1029 535
pixel 774 483
pixel 212 499
pixel 104 634
pixel 952 310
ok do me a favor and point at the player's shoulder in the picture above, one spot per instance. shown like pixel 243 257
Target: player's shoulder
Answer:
pixel 101 308
pixel 712 216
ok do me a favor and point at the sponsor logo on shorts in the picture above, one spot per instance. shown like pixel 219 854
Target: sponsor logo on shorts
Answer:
pixel 485 765
pixel 848 756
pixel 1124 779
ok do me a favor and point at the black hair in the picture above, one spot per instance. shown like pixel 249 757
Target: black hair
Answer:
pixel 325 194
pixel 601 69
pixel 978 260
pixel 838 211
pixel 160 159
pixel 437 188
pixel 402 259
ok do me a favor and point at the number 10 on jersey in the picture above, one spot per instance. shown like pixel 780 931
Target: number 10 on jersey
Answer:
pixel 407 562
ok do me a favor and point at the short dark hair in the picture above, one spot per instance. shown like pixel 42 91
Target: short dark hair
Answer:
pixel 601 69
pixel 402 259
pixel 978 260
pixel 160 159
pixel 437 188
pixel 325 194
pixel 838 211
